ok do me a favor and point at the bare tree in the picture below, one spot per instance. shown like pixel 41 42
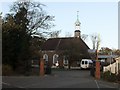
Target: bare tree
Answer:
pixel 55 34
pixel 98 41
pixel 84 36
pixel 39 21
pixel 95 41
pixel 68 34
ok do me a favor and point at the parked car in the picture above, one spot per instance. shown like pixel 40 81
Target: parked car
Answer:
pixel 86 63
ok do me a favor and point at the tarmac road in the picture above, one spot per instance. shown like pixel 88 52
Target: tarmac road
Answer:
pixel 58 79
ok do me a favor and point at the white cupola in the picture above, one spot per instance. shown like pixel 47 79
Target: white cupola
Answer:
pixel 77 27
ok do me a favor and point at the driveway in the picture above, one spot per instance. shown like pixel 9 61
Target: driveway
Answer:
pixel 58 79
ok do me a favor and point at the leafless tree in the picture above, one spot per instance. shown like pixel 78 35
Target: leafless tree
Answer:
pixel 84 36
pixel 95 41
pixel 68 34
pixel 55 34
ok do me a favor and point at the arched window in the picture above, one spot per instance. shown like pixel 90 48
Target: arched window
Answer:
pixel 55 58
pixel 65 60
pixel 45 57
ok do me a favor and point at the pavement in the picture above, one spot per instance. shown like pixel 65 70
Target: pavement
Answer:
pixel 58 79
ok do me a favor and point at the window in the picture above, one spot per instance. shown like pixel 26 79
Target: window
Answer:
pixel 45 57
pixel 65 61
pixel 85 62
pixel 55 58
pixel 82 62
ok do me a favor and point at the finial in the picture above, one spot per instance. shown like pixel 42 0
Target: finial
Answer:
pixel 77 15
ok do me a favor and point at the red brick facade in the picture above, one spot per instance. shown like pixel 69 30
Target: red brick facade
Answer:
pixel 57 46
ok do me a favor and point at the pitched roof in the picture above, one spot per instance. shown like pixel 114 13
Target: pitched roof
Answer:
pixel 107 56
pixel 63 43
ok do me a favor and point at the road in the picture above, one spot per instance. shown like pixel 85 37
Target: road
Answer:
pixel 58 79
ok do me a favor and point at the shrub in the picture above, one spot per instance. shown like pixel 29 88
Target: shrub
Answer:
pixel 109 76
pixel 7 70
pixel 118 76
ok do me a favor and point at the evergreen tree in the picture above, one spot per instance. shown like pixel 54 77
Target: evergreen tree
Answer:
pixel 16 41
pixel 17 30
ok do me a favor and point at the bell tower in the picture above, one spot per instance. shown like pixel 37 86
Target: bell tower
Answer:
pixel 77 32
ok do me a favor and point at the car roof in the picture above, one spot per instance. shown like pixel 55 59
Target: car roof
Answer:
pixel 87 60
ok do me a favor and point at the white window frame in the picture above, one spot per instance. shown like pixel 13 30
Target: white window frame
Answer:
pixel 55 58
pixel 65 61
pixel 45 57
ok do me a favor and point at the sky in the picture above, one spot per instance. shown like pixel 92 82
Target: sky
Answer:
pixel 96 17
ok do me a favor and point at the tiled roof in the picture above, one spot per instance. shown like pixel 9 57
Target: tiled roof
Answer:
pixel 63 43
pixel 107 56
